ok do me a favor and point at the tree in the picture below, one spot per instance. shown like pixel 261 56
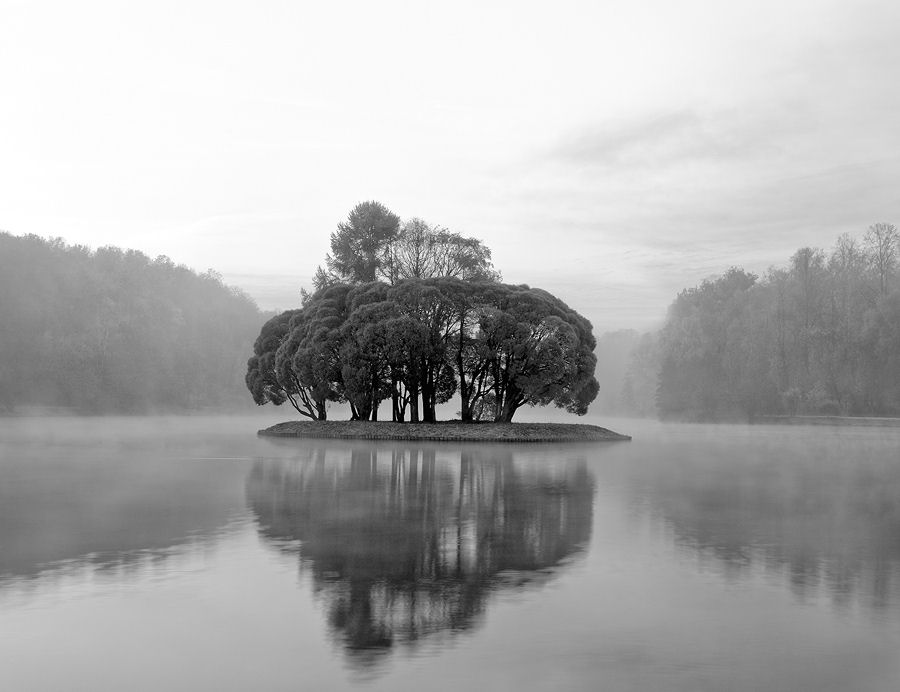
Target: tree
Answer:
pixel 372 245
pixel 882 241
pixel 365 355
pixel 313 351
pixel 502 346
pixel 270 377
pixel 471 356
pixel 421 251
pixel 816 337
pixel 849 297
pixel 695 344
pixel 359 245
pixel 112 330
pixel 425 303
pixel 808 279
pixel 537 351
pixel 641 377
pixel 382 356
pixel 416 313
pixel 881 345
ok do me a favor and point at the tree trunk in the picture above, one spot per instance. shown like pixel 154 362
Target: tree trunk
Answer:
pixel 396 415
pixel 373 396
pixel 428 396
pixel 364 410
pixel 412 391
pixel 507 411
pixel 465 410
pixel 508 403
pixel 427 386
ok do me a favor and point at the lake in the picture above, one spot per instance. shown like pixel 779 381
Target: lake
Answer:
pixel 187 553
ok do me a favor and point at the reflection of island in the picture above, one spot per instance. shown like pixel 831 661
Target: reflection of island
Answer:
pixel 410 541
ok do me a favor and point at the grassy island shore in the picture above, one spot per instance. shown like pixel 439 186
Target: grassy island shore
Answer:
pixel 450 431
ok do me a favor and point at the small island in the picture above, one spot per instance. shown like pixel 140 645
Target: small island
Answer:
pixel 412 316
pixel 449 431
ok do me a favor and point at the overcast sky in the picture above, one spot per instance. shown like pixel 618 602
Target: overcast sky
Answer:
pixel 610 152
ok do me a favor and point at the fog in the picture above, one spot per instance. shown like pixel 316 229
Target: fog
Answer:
pixel 675 221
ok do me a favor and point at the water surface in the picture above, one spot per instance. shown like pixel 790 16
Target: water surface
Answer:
pixel 187 553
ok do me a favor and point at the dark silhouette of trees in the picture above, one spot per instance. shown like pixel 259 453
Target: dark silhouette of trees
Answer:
pixel 533 350
pixel 359 245
pixel 270 376
pixel 421 251
pixel 416 314
pixel 419 342
pixel 372 245
pixel 113 330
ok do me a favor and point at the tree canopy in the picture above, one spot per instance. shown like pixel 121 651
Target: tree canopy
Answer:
pixel 416 314
pixel 372 244
pixel 819 336
pixel 112 330
pixel 359 245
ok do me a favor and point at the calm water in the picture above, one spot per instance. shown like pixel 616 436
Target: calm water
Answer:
pixel 147 554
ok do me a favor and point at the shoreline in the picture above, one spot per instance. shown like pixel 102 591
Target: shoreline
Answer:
pixel 849 421
pixel 443 431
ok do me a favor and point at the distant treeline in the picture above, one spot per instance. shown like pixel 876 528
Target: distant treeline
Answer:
pixel 820 336
pixel 113 330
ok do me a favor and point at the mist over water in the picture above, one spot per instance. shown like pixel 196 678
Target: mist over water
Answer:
pixel 150 553
pixel 218 219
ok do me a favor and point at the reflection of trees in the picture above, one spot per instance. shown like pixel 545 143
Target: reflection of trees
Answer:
pixel 107 512
pixel 404 543
pixel 826 518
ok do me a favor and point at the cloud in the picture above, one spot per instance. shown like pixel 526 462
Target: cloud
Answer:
pixel 679 137
pixel 613 143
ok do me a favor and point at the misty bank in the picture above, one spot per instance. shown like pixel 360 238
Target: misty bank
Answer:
pixel 450 431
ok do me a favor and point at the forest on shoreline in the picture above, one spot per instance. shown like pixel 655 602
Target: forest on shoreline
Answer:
pixel 113 331
pixel 818 336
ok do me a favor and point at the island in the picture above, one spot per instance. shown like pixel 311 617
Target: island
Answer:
pixel 446 431
pixel 413 316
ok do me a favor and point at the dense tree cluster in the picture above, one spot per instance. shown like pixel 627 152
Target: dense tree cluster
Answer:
pixel 437 324
pixel 113 330
pixel 820 336
pixel 421 341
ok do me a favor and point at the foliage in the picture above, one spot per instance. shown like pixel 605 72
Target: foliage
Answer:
pixel 422 340
pixel 113 330
pixel 415 313
pixel 371 244
pixel 818 337
pixel 359 245
pixel 421 251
